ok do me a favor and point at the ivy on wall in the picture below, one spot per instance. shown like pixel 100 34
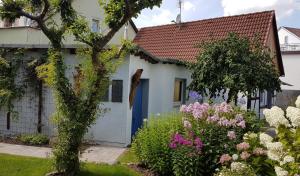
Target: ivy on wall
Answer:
pixel 10 88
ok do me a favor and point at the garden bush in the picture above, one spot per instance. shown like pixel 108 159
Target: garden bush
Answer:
pixel 278 155
pixel 34 139
pixel 151 143
pixel 191 142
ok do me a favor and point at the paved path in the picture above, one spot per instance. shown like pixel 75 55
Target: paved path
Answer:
pixel 95 154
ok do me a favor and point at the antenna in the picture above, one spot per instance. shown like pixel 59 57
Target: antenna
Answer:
pixel 178 19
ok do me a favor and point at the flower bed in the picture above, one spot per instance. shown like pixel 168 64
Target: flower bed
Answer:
pixel 194 143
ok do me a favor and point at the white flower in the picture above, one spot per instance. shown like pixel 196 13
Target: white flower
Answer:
pixel 252 135
pixel 298 102
pixel 273 156
pixel 276 146
pixel 288 159
pixel 281 172
pixel 275 151
pixel 237 166
pixel 264 139
pixel 294 115
pixel 235 157
pixel 275 117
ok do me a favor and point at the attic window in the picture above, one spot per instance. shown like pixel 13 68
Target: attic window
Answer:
pixel 286 39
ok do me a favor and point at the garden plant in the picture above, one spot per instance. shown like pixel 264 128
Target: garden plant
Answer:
pixel 192 142
pixel 77 104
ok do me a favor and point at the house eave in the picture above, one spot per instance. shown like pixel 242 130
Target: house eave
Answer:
pixel 154 59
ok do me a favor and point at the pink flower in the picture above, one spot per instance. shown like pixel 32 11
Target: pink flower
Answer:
pixel 242 124
pixel 259 151
pixel 245 155
pixel 183 108
pixel 242 146
pixel 225 158
pixel 231 135
pixel 187 124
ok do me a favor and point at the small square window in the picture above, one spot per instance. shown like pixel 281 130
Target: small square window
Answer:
pixel 95 25
pixel 117 91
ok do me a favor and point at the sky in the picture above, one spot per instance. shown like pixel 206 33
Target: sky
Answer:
pixel 287 11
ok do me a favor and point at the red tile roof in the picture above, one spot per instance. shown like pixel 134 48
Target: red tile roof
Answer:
pixel 295 31
pixel 172 42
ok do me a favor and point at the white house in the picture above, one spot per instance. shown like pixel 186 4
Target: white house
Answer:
pixel 290 48
pixel 162 52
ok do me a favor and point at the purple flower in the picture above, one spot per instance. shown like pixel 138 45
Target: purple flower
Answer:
pixel 195 95
pixel 199 144
pixel 242 124
pixel 231 135
pixel 187 124
pixel 173 145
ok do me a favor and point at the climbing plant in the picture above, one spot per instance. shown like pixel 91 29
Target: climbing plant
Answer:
pixel 10 87
pixel 77 104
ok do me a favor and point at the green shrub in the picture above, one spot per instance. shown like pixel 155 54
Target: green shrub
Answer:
pixel 34 139
pixel 151 143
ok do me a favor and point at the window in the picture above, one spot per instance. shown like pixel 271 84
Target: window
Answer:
pixel 179 90
pixel 117 91
pixel 95 25
pixel 286 39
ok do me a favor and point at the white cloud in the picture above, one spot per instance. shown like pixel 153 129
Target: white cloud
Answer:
pixel 283 8
pixel 158 16
pixel 187 6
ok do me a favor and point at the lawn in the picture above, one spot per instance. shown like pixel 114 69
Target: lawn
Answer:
pixel 26 166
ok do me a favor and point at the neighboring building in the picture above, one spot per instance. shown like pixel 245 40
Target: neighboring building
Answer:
pixel 290 49
pixel 162 49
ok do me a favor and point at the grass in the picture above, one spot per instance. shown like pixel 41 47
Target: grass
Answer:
pixel 128 157
pixel 26 166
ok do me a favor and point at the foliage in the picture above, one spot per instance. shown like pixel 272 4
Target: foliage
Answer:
pixel 34 139
pixel 128 157
pixel 151 143
pixel 236 64
pixel 192 142
pixel 220 127
pixel 77 105
pixel 186 158
pixel 27 166
pixel 10 88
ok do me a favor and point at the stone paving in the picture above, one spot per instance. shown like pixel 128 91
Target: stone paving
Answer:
pixel 95 154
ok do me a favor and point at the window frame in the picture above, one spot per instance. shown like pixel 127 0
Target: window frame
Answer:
pixel 113 99
pixel 182 92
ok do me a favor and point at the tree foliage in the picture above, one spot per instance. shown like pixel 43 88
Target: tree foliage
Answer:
pixel 235 63
pixel 77 105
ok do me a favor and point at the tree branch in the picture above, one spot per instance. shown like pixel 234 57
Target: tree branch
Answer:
pixel 45 10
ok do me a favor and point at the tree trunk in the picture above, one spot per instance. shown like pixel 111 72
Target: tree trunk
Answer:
pixel 66 151
pixel 40 106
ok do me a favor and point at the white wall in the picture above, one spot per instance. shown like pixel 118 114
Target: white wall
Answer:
pixel 291 63
pixel 282 32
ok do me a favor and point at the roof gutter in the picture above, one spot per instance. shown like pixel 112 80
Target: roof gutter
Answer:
pixel 161 60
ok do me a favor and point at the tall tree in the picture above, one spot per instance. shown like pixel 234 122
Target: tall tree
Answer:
pixel 234 64
pixel 77 104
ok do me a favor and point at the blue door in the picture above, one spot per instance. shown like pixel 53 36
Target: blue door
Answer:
pixel 140 106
